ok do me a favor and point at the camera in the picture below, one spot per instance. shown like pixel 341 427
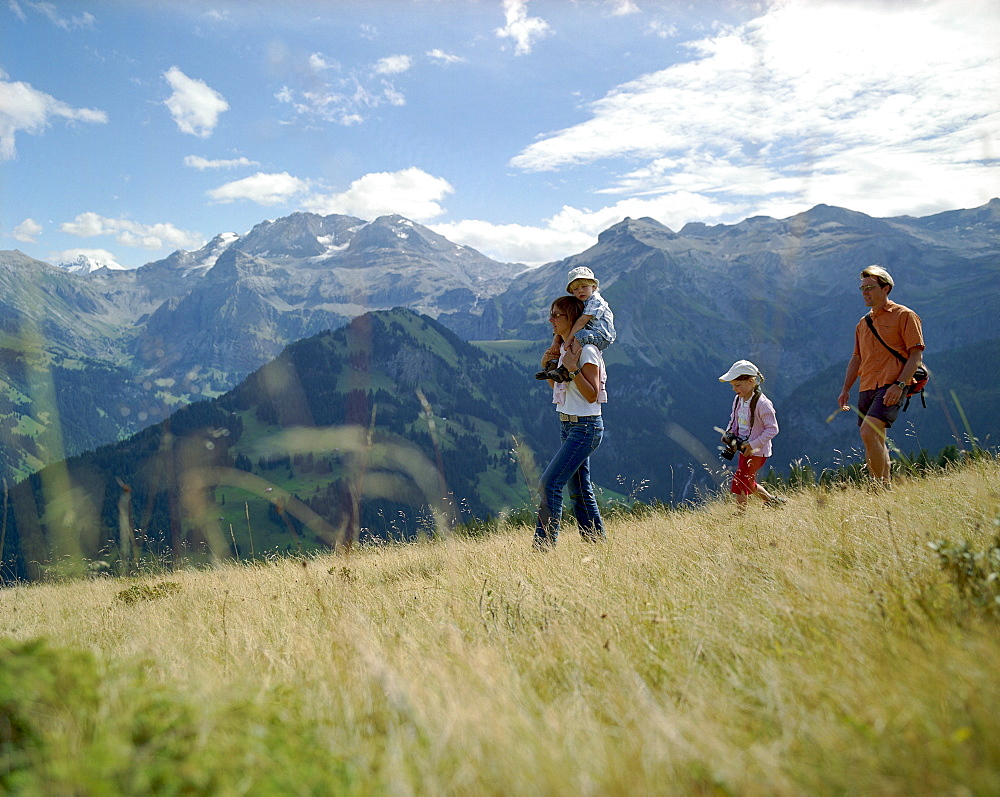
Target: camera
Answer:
pixel 731 445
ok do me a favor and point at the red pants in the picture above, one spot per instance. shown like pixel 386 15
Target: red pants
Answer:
pixel 745 478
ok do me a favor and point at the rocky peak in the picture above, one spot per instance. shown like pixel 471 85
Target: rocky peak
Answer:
pixel 645 230
pixel 300 235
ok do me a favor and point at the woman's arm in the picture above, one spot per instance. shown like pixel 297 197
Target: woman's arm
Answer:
pixel 552 352
pixel 588 380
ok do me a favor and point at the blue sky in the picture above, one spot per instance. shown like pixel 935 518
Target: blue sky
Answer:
pixel 521 128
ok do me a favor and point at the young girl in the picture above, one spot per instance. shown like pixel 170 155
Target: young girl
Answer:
pixel 754 422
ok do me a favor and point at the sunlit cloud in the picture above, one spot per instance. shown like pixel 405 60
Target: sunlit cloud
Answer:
pixel 523 30
pixel 131 233
pixel 621 8
pixel 24 109
pixel 412 193
pixel 27 231
pixel 393 65
pixel 847 103
pixel 51 12
pixel 441 57
pixel 197 162
pixel 516 243
pixel 264 189
pixel 320 63
pixel 72 255
pixel 344 99
pixel 194 106
pixel 574 229
pixel 663 30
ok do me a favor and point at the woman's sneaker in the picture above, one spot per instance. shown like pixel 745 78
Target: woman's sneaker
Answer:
pixel 775 502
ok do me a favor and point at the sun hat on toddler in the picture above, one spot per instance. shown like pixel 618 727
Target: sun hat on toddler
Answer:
pixel 581 273
pixel 740 368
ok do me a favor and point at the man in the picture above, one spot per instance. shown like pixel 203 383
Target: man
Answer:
pixel 884 379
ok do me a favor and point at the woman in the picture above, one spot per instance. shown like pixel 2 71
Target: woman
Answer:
pixel 578 402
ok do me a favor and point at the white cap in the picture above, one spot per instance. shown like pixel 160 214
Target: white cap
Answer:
pixel 740 368
pixel 581 273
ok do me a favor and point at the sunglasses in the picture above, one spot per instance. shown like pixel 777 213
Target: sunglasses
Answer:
pixel 867 288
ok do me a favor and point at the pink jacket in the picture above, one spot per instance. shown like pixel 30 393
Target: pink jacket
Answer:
pixel 763 428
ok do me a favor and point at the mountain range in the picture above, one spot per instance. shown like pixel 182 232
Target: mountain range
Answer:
pixel 196 323
pixel 91 357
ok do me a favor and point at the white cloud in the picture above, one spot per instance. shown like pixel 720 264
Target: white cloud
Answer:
pixel 573 229
pixel 319 63
pixel 49 10
pixel 25 109
pixel 131 233
pixel 27 231
pixel 662 29
pixel 842 103
pixel 411 192
pixel 194 106
pixel 72 255
pixel 264 189
pixel 344 99
pixel 621 8
pixel 516 243
pixel 441 57
pixel 521 28
pixel 393 65
pixel 197 162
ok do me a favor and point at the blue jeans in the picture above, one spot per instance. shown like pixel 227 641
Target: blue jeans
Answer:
pixel 571 466
pixel 586 336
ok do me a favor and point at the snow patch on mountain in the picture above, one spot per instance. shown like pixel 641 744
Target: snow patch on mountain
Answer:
pixel 85 264
pixel 206 257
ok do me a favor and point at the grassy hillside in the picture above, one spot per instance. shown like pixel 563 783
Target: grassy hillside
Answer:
pixel 821 649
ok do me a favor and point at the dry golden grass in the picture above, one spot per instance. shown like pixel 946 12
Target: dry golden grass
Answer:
pixel 818 649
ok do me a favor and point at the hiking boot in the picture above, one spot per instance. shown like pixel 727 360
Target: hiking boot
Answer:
pixel 551 365
pixel 776 502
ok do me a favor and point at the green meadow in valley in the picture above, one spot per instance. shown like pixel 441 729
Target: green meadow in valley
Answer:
pixel 847 644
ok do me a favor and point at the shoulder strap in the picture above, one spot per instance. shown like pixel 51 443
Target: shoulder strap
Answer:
pixel 753 408
pixel 871 326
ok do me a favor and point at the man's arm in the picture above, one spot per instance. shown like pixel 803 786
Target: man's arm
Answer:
pixel 853 368
pixel 894 392
pixel 912 364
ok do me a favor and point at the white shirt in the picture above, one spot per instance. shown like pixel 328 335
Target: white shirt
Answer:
pixel 574 403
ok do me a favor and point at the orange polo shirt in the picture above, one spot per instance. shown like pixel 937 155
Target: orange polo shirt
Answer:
pixel 899 327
